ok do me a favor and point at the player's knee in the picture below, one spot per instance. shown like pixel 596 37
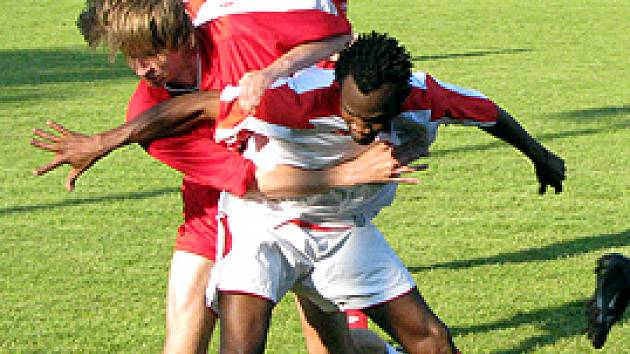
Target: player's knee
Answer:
pixel 442 338
pixel 434 338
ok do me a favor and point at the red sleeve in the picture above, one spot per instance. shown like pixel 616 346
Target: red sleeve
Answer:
pixel 200 158
pixel 195 154
pixel 447 101
pixel 239 43
pixel 452 101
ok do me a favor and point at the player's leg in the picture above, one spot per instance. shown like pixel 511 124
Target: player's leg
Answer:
pixel 364 340
pixel 244 323
pixel 412 323
pixel 189 322
pixel 612 293
pixel 365 272
pixel 325 332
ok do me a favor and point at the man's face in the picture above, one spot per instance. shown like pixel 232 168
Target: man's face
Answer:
pixel 159 69
pixel 367 115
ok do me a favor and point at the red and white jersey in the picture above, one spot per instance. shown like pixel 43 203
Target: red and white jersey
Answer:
pixel 298 123
pixel 192 7
pixel 211 10
pixel 244 35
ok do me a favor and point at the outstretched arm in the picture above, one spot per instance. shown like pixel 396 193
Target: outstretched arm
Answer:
pixel 549 167
pixel 82 151
pixel 380 163
pixel 254 83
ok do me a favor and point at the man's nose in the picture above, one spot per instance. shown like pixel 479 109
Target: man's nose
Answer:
pixel 360 127
pixel 141 67
pixel 142 70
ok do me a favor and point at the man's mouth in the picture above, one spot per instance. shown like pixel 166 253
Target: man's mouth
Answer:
pixel 363 139
pixel 154 80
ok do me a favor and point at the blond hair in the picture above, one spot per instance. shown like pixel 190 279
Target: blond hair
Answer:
pixel 137 28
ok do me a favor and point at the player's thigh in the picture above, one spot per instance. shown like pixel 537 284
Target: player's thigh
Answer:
pixel 244 322
pixel 408 318
pixel 324 332
pixel 188 279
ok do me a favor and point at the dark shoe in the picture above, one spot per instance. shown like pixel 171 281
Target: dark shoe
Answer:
pixel 611 296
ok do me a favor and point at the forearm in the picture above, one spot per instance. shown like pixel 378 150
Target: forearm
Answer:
pixel 376 165
pixel 162 120
pixel 306 55
pixel 287 181
pixel 510 131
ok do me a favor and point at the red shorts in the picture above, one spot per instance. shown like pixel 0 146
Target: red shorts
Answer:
pixel 198 233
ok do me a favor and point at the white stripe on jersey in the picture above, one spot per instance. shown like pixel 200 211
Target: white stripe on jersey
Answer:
pixel 418 79
pixel 211 10
pixel 309 79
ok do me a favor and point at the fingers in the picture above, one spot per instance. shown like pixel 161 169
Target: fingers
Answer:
pixel 44 146
pixel 47 168
pixel 58 127
pixel 252 87
pixel 72 178
pixel 405 180
pixel 410 169
pixel 557 187
pixel 543 188
pixel 42 134
pixel 420 167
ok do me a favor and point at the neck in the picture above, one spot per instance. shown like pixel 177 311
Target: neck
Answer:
pixel 188 76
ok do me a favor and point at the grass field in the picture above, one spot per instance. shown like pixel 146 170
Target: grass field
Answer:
pixel 507 269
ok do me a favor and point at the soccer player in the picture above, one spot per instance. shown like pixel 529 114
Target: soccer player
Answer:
pixel 178 58
pixel 372 91
pixel 610 300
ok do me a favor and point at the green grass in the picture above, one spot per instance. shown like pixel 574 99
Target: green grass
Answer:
pixel 507 269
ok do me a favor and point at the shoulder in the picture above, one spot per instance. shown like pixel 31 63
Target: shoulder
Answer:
pixel 143 98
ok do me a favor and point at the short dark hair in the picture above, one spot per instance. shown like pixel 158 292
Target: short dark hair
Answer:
pixel 375 59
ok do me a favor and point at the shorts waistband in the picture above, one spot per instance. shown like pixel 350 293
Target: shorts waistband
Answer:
pixel 313 226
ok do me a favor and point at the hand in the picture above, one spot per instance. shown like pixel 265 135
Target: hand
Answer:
pixel 379 164
pixel 253 84
pixel 550 171
pixel 75 149
pixel 410 152
pixel 417 138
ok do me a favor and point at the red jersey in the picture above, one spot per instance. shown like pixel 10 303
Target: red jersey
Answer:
pixel 310 101
pixel 240 36
pixel 230 46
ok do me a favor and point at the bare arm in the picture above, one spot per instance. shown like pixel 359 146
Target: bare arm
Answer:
pixel 378 164
pixel 82 151
pixel 254 83
pixel 549 167
pixel 168 117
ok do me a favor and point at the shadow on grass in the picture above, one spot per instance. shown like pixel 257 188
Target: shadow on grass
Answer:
pixel 83 201
pixel 481 53
pixel 595 113
pixel 62 65
pixel 550 252
pixel 566 320
pixel 541 137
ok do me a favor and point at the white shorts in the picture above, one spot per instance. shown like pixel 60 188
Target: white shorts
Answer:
pixel 353 268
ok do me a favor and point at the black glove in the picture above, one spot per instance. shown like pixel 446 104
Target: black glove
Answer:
pixel 550 171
